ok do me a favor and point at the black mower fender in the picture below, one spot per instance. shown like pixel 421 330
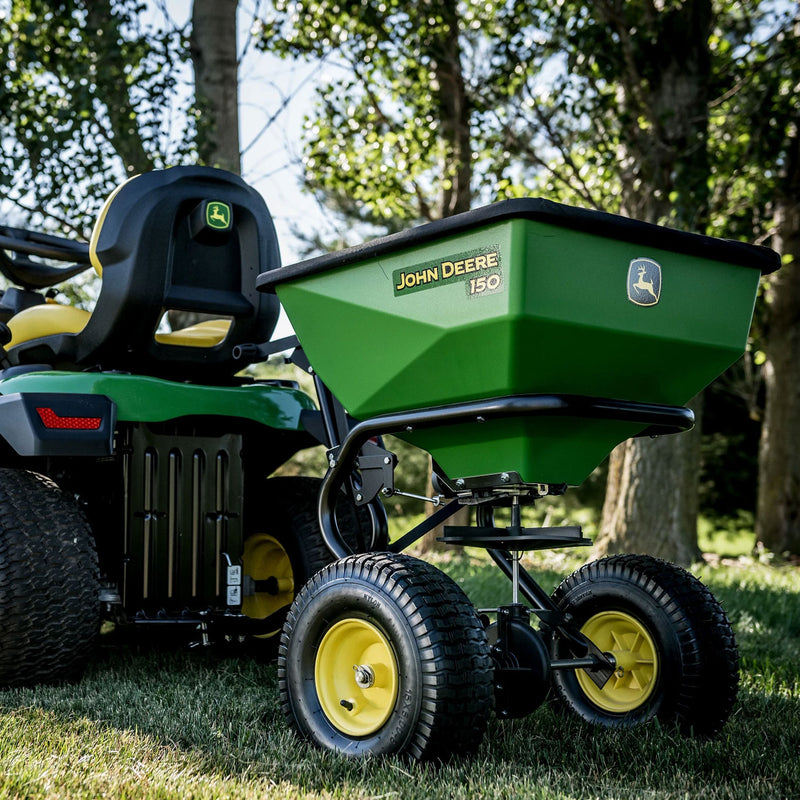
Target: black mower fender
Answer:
pixel 42 424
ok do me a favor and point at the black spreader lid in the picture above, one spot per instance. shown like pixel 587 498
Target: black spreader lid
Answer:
pixel 598 223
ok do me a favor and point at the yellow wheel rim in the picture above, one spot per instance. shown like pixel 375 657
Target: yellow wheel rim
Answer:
pixel 266 559
pixel 637 662
pixel 356 677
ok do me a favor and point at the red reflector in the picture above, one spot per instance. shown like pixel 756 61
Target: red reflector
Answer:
pixel 52 420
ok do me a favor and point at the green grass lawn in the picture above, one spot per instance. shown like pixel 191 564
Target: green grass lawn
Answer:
pixel 179 723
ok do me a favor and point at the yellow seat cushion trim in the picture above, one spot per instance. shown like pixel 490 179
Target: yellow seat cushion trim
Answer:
pixel 50 319
pixel 209 333
pixel 46 320
pixel 93 258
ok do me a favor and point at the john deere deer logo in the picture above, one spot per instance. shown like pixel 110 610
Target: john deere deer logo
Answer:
pixel 218 216
pixel 644 282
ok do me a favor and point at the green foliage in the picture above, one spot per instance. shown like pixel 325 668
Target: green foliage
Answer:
pixel 729 536
pixel 86 101
pixel 412 101
pixel 597 104
pixel 753 118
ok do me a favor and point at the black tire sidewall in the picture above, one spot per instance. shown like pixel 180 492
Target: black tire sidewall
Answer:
pixel 49 582
pixel 330 603
pixel 585 600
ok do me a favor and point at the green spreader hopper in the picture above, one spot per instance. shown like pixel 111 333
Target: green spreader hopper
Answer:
pixel 527 338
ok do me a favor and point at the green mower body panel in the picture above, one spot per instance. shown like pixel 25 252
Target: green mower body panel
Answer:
pixel 46 404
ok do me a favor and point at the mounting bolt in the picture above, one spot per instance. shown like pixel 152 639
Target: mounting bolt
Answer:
pixel 505 478
pixel 359 497
pixel 460 483
pixel 387 460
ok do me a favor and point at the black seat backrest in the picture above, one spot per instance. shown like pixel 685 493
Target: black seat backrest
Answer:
pixel 190 239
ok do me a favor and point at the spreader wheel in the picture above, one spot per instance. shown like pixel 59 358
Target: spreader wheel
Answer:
pixel 636 658
pixel 672 644
pixel 49 584
pixel 384 654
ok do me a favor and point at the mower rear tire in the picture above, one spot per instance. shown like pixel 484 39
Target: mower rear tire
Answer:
pixel 49 583
pixel 288 548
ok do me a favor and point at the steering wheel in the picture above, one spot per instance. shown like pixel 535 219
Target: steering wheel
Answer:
pixel 24 271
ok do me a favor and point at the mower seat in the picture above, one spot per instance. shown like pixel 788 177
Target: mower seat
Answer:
pixel 189 239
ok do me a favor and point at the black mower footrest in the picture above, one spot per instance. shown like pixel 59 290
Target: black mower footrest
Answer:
pixel 514 539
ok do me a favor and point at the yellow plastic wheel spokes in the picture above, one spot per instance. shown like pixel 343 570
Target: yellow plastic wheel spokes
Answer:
pixel 265 558
pixel 356 677
pixel 636 657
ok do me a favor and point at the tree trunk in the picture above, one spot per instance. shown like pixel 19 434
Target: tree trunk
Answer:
pixel 215 60
pixel 456 183
pixel 651 504
pixel 651 499
pixel 216 86
pixel 778 513
pixel 429 541
pixel 454 115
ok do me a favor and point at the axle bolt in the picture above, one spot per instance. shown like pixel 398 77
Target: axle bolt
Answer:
pixel 365 676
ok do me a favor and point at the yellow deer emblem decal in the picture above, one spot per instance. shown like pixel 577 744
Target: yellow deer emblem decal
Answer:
pixel 644 282
pixel 218 215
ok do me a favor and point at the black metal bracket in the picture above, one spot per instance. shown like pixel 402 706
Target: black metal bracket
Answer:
pixel 428 524
pixel 376 466
pixel 254 353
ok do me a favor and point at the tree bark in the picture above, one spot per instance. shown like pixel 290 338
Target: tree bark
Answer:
pixel 651 498
pixel 454 115
pixel 430 541
pixel 456 183
pixel 215 60
pixel 651 504
pixel 778 510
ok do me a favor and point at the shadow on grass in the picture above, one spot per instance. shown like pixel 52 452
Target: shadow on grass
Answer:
pixel 169 722
pixel 218 720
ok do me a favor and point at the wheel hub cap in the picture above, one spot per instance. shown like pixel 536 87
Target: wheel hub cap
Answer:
pixel 636 658
pixel 356 677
